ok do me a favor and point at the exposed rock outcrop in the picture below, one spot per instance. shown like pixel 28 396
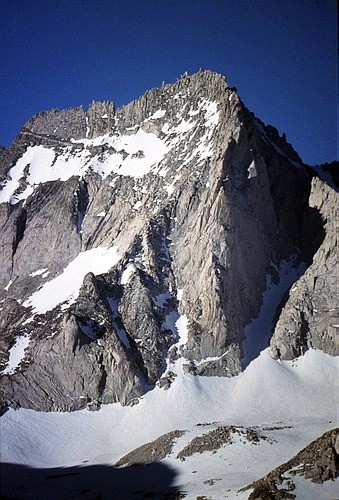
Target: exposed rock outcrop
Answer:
pixel 317 462
pixel 162 447
pixel 215 439
pixel 151 452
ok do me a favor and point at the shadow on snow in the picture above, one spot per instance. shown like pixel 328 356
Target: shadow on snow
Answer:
pixel 96 482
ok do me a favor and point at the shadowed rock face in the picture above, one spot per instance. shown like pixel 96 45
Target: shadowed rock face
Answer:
pixel 198 198
pixel 310 316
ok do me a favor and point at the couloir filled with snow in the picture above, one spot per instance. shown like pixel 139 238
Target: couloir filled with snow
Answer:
pixel 259 331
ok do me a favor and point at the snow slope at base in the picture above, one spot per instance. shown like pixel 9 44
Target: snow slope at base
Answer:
pixel 299 393
pixel 236 465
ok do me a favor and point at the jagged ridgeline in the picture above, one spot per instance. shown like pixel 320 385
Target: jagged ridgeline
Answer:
pixel 138 242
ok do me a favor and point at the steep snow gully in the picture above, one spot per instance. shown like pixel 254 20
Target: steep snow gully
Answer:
pixel 259 331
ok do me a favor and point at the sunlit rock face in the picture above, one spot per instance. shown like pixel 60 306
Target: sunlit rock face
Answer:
pixel 134 237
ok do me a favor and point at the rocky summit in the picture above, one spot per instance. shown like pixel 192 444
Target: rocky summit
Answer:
pixel 139 241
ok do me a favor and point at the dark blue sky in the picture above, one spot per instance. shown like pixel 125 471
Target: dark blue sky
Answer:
pixel 280 54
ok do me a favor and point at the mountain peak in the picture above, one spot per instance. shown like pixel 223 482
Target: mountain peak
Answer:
pixel 139 242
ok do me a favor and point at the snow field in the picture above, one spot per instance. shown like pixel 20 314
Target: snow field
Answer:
pixel 267 392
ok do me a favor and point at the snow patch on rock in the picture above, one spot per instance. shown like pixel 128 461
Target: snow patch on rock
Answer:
pixel 64 289
pixel 16 354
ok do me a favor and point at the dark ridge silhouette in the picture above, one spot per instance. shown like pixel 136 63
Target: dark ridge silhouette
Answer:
pixel 95 482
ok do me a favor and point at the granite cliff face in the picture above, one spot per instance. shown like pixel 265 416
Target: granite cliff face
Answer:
pixel 133 237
